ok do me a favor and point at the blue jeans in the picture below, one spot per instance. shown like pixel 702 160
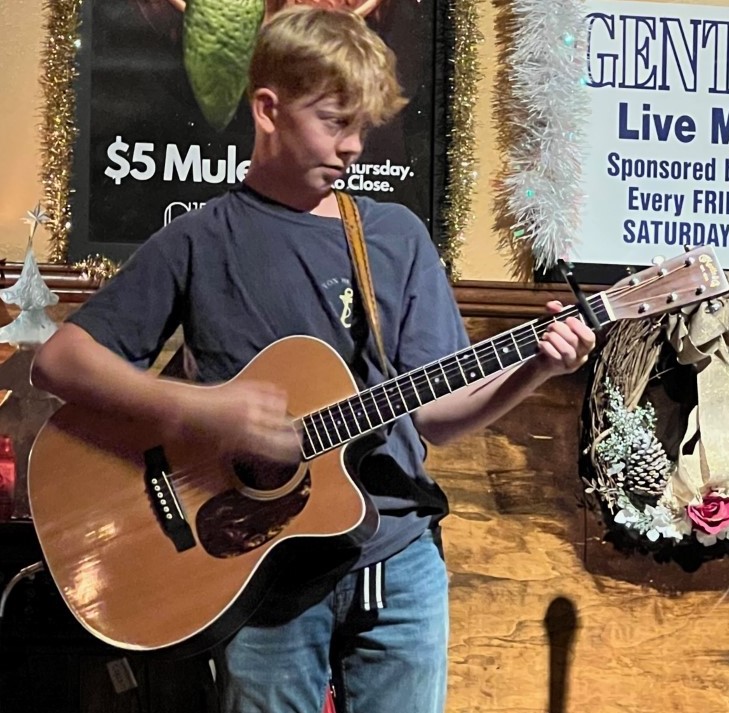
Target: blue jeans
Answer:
pixel 390 660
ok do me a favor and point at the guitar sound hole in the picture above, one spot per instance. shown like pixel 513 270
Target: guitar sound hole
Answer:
pixel 263 474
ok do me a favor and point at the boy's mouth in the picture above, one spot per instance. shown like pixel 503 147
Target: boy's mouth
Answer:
pixel 339 170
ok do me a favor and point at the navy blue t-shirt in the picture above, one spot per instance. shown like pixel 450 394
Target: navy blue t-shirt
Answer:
pixel 243 272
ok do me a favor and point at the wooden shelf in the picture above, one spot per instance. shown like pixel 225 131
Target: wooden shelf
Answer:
pixel 66 281
pixel 475 298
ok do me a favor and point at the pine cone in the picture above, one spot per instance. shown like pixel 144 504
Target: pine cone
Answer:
pixel 647 469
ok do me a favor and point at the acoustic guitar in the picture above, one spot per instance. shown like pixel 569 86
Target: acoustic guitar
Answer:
pixel 155 546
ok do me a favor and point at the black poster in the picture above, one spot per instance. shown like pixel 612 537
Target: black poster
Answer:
pixel 146 154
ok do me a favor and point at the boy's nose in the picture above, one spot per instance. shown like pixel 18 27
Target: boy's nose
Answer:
pixel 351 144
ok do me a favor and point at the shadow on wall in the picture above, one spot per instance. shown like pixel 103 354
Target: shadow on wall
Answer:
pixel 561 623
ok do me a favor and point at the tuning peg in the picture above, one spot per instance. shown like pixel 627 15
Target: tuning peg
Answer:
pixel 631 271
pixel 658 260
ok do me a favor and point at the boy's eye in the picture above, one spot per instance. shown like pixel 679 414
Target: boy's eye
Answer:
pixel 336 120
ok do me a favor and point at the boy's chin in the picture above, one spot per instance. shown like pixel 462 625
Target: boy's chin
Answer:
pixel 315 192
pixel 323 186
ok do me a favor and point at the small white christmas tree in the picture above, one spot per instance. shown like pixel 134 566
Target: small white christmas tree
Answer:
pixel 31 294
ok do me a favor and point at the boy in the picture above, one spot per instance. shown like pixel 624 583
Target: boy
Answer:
pixel 267 260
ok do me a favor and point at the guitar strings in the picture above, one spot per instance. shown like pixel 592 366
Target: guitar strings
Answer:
pixel 180 476
pixel 419 380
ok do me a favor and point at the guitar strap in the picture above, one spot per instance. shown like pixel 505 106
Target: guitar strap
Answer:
pixel 372 578
pixel 358 252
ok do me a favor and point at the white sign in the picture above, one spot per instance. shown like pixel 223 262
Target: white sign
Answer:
pixel 657 169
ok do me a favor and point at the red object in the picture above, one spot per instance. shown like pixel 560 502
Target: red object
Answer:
pixel 7 477
pixel 329 702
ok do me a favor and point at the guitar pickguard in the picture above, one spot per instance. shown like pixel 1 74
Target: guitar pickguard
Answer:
pixel 232 523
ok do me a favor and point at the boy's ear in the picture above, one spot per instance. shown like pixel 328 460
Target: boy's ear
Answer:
pixel 264 107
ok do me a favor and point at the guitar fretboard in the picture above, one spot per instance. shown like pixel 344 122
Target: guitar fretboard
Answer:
pixel 341 422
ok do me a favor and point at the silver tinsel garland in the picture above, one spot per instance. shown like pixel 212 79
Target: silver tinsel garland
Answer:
pixel 543 185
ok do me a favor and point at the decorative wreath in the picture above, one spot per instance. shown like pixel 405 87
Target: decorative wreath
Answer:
pixel 656 445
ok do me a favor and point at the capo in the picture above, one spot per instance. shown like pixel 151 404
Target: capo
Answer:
pixel 584 305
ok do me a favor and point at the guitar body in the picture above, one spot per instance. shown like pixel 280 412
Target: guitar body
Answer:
pixel 100 523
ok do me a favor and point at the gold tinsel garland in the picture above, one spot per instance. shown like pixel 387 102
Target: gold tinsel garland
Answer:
pixel 58 129
pixel 463 94
pixel 97 268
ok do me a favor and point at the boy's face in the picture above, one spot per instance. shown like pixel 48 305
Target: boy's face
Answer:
pixel 316 141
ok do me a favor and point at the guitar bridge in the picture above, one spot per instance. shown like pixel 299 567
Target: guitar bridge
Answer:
pixel 164 501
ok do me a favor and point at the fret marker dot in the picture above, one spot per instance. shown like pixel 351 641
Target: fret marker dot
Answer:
pixel 505 350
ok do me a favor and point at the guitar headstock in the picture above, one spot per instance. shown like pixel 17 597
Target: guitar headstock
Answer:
pixel 692 277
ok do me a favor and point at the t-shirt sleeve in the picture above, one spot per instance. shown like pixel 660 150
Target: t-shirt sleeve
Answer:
pixel 431 327
pixel 137 311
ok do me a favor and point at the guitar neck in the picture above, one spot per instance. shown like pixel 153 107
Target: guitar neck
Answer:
pixel 341 422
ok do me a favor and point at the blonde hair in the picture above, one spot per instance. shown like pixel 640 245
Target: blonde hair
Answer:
pixel 305 50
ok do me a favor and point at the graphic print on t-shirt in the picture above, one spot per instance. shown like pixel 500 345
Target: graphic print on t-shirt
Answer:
pixel 340 295
pixel 346 317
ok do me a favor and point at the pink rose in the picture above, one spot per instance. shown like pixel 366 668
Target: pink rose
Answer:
pixel 711 516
